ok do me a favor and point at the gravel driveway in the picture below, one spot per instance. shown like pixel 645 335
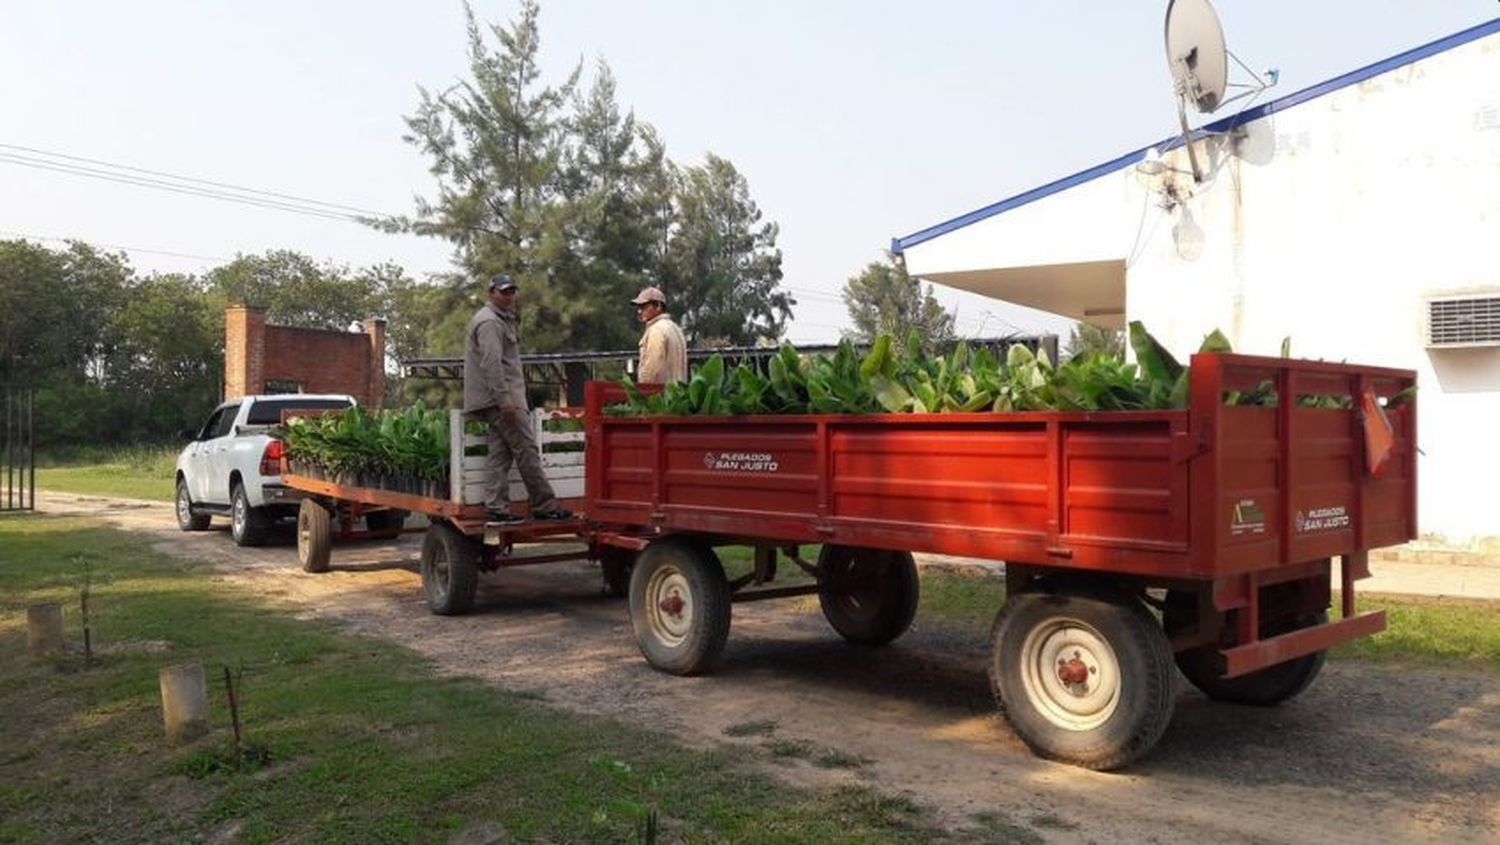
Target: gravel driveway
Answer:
pixel 1368 754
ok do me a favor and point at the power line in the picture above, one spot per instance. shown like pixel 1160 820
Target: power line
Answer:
pixel 189 255
pixel 146 182
pixel 193 179
pixel 161 179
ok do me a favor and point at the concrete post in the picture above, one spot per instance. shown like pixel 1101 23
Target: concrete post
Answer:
pixel 184 701
pixel 44 629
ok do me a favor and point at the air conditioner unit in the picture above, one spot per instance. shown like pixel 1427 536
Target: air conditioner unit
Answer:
pixel 1463 320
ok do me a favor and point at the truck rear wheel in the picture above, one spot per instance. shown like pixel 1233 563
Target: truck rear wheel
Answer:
pixel 450 570
pixel 868 595
pixel 249 526
pixel 314 536
pixel 679 606
pixel 1082 678
pixel 1204 667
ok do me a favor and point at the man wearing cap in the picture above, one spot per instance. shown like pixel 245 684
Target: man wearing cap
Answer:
pixel 663 348
pixel 495 392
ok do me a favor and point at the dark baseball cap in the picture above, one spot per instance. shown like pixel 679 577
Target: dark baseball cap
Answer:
pixel 502 281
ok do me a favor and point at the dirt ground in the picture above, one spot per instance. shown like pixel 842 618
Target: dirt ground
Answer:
pixel 1368 754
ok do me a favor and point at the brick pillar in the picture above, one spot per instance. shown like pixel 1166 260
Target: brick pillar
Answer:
pixel 244 350
pixel 375 386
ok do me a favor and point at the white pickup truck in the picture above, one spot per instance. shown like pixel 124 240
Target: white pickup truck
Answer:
pixel 233 466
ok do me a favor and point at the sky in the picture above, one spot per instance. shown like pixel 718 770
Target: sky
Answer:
pixel 853 121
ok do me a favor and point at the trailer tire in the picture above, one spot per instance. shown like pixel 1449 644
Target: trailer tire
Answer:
pixel 450 570
pixel 249 526
pixel 679 606
pixel 386 521
pixel 616 565
pixel 314 536
pixel 869 596
pixel 186 519
pixel 1204 668
pixel 1121 706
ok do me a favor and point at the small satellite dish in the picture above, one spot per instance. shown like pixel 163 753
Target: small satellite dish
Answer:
pixel 1196 54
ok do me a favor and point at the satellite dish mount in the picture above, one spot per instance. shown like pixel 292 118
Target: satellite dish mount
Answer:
pixel 1199 63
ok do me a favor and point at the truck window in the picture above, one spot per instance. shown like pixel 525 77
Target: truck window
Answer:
pixel 226 420
pixel 207 432
pixel 268 411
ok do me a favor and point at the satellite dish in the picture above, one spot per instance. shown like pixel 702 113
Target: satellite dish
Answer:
pixel 1196 54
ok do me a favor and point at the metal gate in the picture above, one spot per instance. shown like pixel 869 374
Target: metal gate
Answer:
pixel 18 452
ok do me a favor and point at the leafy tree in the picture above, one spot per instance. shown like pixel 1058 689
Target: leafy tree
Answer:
pixel 1087 337
pixel 167 367
pixel 884 299
pixel 297 291
pixel 55 310
pixel 722 270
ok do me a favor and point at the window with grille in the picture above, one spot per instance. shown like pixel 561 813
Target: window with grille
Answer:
pixel 1472 320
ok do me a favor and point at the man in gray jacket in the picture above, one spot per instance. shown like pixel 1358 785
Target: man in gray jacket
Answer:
pixel 495 392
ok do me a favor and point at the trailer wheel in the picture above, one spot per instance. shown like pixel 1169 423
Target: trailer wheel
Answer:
pixel 186 519
pixel 387 521
pixel 1204 667
pixel 1082 678
pixel 679 606
pixel 450 570
pixel 616 564
pixel 868 595
pixel 314 536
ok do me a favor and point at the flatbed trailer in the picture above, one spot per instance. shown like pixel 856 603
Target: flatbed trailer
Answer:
pixel 1222 518
pixel 459 542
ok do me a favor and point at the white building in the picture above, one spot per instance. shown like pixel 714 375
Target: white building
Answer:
pixel 1334 216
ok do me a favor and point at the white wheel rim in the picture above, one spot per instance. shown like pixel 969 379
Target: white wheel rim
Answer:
pixel 239 514
pixel 184 508
pixel 669 606
pixel 439 570
pixel 304 535
pixel 1070 674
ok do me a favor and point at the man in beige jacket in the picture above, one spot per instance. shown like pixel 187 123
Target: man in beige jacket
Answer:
pixel 495 392
pixel 663 348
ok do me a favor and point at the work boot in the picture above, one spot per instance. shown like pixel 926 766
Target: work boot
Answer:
pixel 553 514
pixel 494 517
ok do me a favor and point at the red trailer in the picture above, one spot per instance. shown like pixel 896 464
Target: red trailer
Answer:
pixel 1223 518
pixel 460 542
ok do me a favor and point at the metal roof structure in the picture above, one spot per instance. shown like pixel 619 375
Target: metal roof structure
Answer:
pixel 559 368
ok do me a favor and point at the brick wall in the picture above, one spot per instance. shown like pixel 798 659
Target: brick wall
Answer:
pixel 311 360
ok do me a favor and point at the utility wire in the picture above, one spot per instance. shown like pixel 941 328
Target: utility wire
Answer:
pixel 189 255
pixel 147 182
pixel 195 180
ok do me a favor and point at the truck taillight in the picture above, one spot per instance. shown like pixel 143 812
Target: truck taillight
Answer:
pixel 270 460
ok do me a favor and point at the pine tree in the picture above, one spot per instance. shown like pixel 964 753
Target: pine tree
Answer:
pixel 883 299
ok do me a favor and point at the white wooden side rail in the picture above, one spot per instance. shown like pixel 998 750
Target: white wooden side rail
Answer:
pixel 467 473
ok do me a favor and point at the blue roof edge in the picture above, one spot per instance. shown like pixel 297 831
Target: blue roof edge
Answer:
pixel 900 244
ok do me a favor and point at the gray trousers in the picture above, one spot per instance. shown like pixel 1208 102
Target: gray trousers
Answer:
pixel 511 438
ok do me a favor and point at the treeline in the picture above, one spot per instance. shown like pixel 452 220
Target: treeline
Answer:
pixel 116 356
pixel 552 181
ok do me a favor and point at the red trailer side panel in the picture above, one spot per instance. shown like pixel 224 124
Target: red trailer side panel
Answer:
pixel 1217 490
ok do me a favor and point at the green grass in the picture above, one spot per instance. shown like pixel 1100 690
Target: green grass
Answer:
pixel 136 472
pixel 355 739
pixel 1436 632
